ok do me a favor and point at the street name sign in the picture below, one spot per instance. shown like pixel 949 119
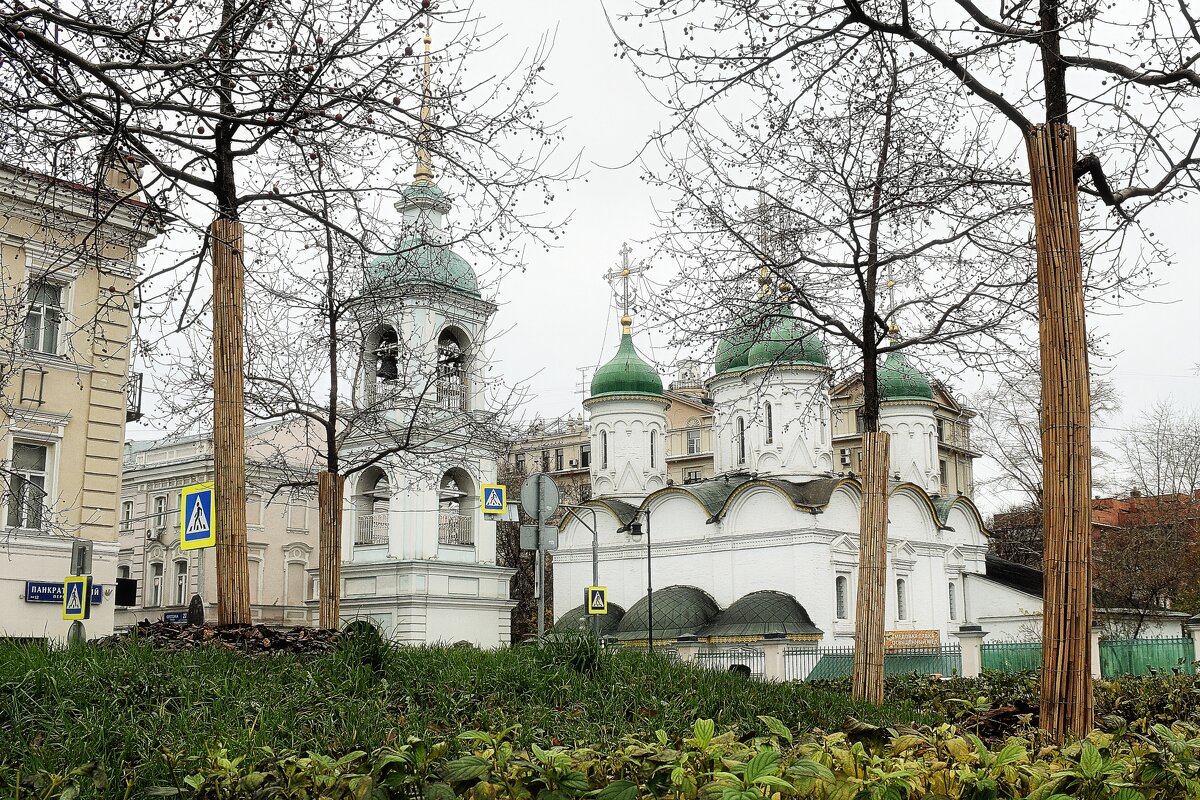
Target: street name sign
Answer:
pixel 197 528
pixel 52 592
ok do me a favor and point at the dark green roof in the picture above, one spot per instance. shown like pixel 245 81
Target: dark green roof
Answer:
pixel 578 618
pixel 733 353
pixel 763 613
pixel 900 380
pixel 678 611
pixel 626 373
pixel 418 261
pixel 786 342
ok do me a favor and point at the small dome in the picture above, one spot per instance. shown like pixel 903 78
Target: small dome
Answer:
pixel 762 613
pixel 418 261
pixel 579 619
pixel 900 380
pixel 678 610
pixel 626 373
pixel 733 353
pixel 787 343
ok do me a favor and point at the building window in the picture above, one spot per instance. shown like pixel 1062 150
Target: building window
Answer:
pixel 740 439
pixel 156 584
pixel 603 449
pixel 941 430
pixel 953 603
pixel 691 476
pixel 44 318
pixel 181 582
pixel 693 442
pixel 945 475
pixel 769 423
pixel 841 589
pixel 27 486
pixel 254 509
pixel 123 572
pixel 860 422
pixel 297 512
pixel 452 373
pixel 160 511
pixel 126 515
pixel 585 455
pixel 519 463
pixel 545 461
pixel 558 459
pixel 901 599
pixel 653 448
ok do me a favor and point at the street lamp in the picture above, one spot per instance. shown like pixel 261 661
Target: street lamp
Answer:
pixel 635 532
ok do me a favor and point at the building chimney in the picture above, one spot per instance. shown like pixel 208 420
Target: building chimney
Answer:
pixel 123 174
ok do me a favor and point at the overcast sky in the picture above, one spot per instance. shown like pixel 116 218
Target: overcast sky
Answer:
pixel 558 313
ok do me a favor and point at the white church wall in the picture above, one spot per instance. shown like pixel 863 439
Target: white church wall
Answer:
pixel 762 508
pixel 913 432
pixel 843 511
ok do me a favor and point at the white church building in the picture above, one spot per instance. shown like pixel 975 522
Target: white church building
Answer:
pixel 768 547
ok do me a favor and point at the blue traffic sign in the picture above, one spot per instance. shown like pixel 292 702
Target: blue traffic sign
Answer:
pixel 77 597
pixel 494 499
pixel 196 528
pixel 52 592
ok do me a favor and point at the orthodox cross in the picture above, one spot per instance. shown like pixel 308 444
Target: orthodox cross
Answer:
pixel 624 273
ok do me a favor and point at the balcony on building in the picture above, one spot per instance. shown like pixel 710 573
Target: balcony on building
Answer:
pixel 133 397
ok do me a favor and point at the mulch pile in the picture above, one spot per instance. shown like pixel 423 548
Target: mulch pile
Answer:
pixel 247 638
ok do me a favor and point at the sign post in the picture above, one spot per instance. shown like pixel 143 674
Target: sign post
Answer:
pixel 539 499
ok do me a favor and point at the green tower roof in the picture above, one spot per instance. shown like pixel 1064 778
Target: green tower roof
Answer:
pixel 900 380
pixel 626 373
pixel 787 343
pixel 733 353
pixel 419 261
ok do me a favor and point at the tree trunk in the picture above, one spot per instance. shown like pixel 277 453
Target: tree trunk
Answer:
pixel 229 451
pixel 869 620
pixel 329 508
pixel 1066 699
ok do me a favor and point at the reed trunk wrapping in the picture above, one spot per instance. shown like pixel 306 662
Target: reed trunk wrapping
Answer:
pixel 1066 699
pixel 329 507
pixel 229 451
pixel 869 619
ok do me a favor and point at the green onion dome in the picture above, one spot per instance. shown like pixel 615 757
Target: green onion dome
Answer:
pixel 626 373
pixel 900 380
pixel 733 353
pixel 787 343
pixel 419 261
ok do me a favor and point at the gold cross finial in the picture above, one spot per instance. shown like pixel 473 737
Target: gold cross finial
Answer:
pixel 424 172
pixel 625 272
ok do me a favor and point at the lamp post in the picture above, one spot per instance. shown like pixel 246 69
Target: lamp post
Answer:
pixel 574 510
pixel 635 531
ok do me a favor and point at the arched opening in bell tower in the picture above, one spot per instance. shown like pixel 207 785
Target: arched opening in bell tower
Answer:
pixel 452 370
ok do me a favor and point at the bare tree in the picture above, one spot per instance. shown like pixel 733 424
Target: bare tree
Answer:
pixel 223 101
pixel 1134 96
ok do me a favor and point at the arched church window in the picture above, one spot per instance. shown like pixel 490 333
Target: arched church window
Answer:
pixel 768 422
pixel 953 604
pixel 901 599
pixel 653 447
pixel 454 524
pixel 740 439
pixel 841 588
pixel 451 373
pixel 603 449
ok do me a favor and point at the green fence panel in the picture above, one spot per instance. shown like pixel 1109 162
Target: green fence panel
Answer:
pixel 1011 656
pixel 1143 656
pixel 932 661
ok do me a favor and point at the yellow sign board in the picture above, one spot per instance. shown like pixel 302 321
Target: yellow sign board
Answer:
pixel 597 599
pixel 493 498
pixel 197 527
pixel 77 597
pixel 902 640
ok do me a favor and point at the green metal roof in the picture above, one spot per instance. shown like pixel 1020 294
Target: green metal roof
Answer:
pixel 578 618
pixel 678 611
pixel 419 261
pixel 786 342
pixel 733 353
pixel 763 613
pixel 900 380
pixel 626 373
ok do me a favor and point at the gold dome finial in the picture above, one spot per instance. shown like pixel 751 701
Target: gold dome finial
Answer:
pixel 626 324
pixel 424 172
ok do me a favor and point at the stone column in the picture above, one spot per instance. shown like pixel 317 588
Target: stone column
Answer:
pixel 687 646
pixel 1095 643
pixel 970 638
pixel 773 645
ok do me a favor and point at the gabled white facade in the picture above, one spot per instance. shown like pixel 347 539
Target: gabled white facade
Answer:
pixel 914 442
pixel 628 438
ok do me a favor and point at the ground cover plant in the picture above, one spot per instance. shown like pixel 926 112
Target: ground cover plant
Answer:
pixel 142 713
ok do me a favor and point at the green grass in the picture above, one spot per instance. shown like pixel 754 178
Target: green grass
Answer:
pixel 138 711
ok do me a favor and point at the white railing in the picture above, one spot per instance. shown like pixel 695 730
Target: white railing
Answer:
pixel 454 528
pixel 371 529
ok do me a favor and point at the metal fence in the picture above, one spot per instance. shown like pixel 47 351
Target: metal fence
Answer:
pixel 1144 656
pixel 1011 656
pixel 825 663
pixel 726 658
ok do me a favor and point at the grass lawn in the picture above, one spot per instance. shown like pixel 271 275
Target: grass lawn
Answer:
pixel 139 710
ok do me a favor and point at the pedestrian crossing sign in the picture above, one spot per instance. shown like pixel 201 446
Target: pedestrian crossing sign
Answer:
pixel 494 498
pixel 77 597
pixel 597 599
pixel 196 528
